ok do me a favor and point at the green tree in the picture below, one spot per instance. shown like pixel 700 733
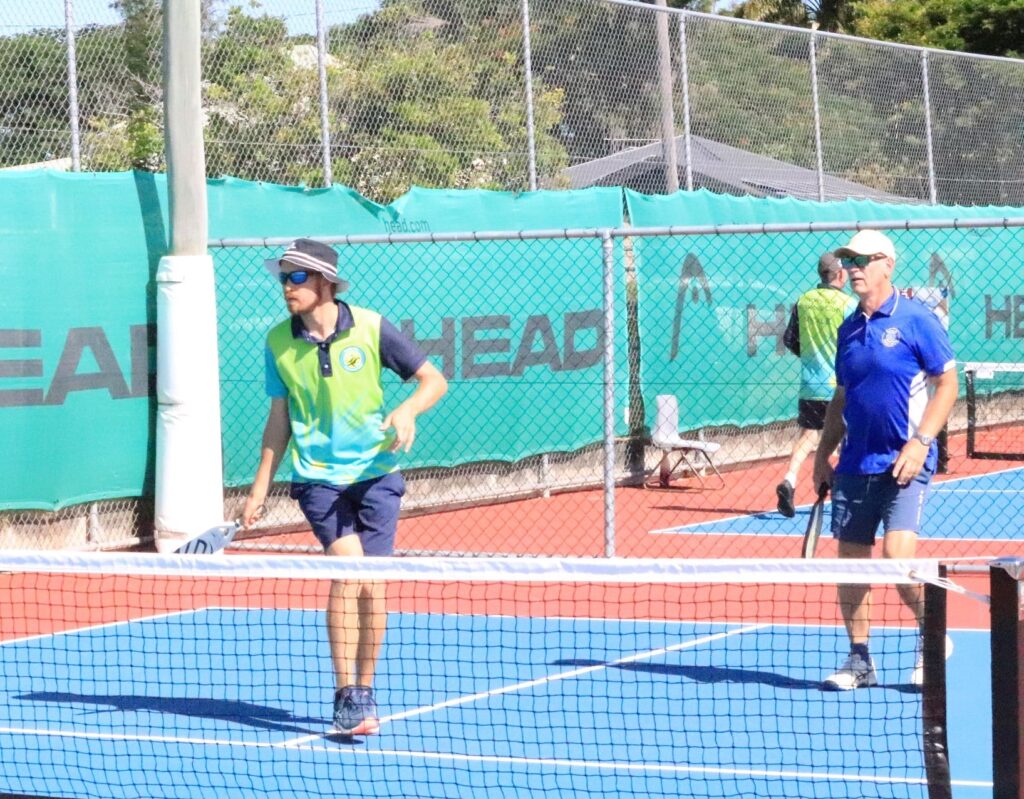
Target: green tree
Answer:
pixel 33 106
pixel 993 27
pixel 142 34
pixel 977 113
pixel 828 15
pixel 421 99
pixel 262 119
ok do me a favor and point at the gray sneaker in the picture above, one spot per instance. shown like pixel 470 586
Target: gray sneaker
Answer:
pixel 917 675
pixel 854 673
pixel 355 711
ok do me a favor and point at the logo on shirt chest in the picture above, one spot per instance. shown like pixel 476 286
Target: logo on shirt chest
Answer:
pixel 352 359
pixel 891 337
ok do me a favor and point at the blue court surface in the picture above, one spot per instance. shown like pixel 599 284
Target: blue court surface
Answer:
pixel 228 702
pixel 974 508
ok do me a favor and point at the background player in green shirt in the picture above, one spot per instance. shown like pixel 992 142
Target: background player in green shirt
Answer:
pixel 811 335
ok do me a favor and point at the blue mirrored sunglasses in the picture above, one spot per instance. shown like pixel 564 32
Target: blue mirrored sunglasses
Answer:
pixel 296 278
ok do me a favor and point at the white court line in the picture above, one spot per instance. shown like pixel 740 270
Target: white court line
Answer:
pixel 936 486
pixel 598 765
pixel 92 627
pixel 549 678
pixel 685 529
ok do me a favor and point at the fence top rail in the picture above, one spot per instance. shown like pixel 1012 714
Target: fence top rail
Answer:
pixel 641 5
pixel 632 232
pixel 684 13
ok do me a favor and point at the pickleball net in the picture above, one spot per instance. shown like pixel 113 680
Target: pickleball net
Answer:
pixel 995 410
pixel 129 674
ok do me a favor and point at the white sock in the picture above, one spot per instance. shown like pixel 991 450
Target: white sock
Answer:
pixel 790 478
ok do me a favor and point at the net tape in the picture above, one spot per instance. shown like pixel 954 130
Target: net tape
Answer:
pixel 630 570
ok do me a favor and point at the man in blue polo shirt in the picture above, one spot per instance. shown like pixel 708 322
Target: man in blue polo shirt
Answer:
pixel 896 384
pixel 323 376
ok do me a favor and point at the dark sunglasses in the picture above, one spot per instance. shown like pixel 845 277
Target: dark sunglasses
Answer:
pixel 859 261
pixel 296 278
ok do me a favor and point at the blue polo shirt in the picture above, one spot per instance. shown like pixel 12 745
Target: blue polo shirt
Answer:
pixel 883 363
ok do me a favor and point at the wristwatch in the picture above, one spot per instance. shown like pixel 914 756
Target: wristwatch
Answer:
pixel 926 440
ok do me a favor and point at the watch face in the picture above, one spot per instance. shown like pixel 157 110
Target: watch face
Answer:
pixel 926 440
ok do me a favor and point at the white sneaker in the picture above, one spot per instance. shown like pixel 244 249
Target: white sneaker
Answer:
pixel 917 675
pixel 854 673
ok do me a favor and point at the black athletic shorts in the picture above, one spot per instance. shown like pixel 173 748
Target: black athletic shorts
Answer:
pixel 810 414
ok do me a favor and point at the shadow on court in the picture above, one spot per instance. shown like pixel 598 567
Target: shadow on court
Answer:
pixel 719 674
pixel 756 512
pixel 261 717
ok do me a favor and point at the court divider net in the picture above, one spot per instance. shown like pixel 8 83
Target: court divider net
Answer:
pixel 995 411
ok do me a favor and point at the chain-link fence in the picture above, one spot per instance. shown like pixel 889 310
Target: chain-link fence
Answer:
pixel 517 455
pixel 451 93
pixel 561 348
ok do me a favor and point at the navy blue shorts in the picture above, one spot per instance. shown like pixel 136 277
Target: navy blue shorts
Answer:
pixel 861 501
pixel 368 509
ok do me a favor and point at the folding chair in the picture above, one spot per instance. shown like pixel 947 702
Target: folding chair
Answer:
pixel 665 437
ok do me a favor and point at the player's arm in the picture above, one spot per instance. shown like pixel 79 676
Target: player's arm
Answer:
pixel 431 386
pixel 912 457
pixel 276 433
pixel 831 437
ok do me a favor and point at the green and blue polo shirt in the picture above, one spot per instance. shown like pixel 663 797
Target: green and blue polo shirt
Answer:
pixel 335 396
pixel 811 334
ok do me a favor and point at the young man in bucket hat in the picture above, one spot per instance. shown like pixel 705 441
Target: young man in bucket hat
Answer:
pixel 323 377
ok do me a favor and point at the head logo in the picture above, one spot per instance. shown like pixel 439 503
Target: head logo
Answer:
pixel 692 281
pixel 352 359
pixel 891 336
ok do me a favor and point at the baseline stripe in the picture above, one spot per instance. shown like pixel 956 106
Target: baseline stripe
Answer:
pixel 670 768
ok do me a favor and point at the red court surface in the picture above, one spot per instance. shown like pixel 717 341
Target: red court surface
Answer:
pixel 571 524
pixel 55 603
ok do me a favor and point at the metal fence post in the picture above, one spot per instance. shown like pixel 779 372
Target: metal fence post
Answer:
pixel 531 165
pixel 684 77
pixel 932 193
pixel 531 140
pixel 69 30
pixel 321 64
pixel 668 123
pixel 820 161
pixel 608 251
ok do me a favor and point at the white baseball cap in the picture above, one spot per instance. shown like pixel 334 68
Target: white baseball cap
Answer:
pixel 868 242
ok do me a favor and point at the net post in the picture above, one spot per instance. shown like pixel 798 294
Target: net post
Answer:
pixel 1007 643
pixel 933 699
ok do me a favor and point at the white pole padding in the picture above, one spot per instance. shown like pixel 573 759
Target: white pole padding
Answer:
pixel 189 488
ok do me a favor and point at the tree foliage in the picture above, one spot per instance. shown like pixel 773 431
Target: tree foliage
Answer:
pixel 437 101
pixel 990 27
pixel 432 92
pixel 828 15
pixel 993 27
pixel 33 109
